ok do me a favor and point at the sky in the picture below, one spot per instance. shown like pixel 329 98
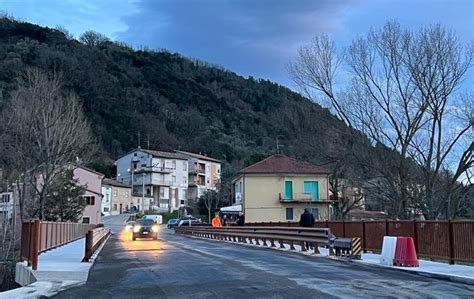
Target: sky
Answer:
pixel 250 37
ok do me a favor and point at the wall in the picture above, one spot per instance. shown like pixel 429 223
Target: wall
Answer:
pixel 107 195
pixel 93 183
pixel 261 197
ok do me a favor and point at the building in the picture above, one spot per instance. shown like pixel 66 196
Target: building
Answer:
pixel 6 206
pixel 279 188
pixel 117 197
pixel 159 179
pixel 204 173
pixel 92 181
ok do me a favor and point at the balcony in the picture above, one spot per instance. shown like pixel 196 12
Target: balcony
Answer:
pixel 154 170
pixel 200 171
pixel 300 198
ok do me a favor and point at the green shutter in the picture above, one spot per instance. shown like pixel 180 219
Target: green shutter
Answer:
pixel 312 187
pixel 288 190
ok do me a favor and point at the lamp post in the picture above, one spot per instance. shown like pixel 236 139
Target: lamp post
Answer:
pixel 143 191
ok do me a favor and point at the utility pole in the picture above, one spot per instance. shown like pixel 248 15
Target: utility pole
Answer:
pixel 138 139
pixel 143 191
pixel 278 144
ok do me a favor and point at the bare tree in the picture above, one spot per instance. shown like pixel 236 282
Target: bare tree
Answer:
pixel 93 39
pixel 47 131
pixel 401 83
pixel 210 199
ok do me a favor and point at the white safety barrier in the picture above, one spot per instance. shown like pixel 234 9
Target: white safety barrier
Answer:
pixel 388 250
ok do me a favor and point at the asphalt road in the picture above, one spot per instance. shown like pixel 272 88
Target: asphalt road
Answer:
pixel 180 267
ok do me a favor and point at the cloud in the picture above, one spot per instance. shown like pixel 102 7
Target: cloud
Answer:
pixel 250 37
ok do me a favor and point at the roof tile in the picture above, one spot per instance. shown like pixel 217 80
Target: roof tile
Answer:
pixel 284 164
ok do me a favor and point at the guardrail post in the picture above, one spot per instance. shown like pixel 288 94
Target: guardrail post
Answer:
pixel 89 244
pixel 363 236
pixel 35 244
pixel 451 242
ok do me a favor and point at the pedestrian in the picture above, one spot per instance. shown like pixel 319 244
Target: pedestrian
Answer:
pixel 216 221
pixel 241 219
pixel 224 220
pixel 307 220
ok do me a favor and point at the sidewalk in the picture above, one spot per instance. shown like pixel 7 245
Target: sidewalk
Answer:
pixel 58 269
pixel 456 273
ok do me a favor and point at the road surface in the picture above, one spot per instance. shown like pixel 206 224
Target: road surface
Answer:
pixel 180 267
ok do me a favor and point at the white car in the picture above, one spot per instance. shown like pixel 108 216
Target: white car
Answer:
pixel 158 219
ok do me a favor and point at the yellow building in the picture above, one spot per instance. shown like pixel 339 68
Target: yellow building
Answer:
pixel 279 188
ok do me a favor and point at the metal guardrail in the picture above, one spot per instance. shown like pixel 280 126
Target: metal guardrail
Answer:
pixel 282 235
pixel 94 239
pixel 39 236
pixel 435 239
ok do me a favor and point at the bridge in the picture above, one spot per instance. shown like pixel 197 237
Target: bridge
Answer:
pixel 176 266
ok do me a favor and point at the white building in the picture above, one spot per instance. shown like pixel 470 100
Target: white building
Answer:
pixel 159 178
pixel 117 197
pixel 6 205
pixel 204 173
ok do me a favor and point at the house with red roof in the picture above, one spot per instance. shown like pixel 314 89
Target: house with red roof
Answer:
pixel 279 188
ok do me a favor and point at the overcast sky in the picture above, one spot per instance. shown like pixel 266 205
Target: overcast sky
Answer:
pixel 250 37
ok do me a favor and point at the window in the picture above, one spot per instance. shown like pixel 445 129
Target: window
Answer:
pixel 106 209
pixel 90 200
pixel 115 193
pixel 5 198
pixel 126 193
pixel 182 201
pixel 115 207
pixel 162 192
pixel 288 190
pixel 107 197
pixel 311 187
pixel 315 212
pixel 184 180
pixel 173 163
pixel 289 213
pixel 86 220
pixel 185 166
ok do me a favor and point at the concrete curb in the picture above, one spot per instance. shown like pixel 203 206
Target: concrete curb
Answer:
pixel 453 278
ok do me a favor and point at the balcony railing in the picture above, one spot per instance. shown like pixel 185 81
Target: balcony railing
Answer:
pixel 154 169
pixel 298 197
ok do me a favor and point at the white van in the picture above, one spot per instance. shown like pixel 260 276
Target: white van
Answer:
pixel 157 218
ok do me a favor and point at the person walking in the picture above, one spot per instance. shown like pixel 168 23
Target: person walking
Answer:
pixel 241 219
pixel 307 220
pixel 216 221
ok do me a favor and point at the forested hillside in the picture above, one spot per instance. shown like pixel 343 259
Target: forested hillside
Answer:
pixel 173 102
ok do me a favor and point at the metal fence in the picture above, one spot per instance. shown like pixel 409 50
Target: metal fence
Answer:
pixel 39 236
pixel 444 239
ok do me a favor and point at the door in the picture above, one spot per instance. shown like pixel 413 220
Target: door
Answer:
pixel 312 187
pixel 288 190
pixel 120 208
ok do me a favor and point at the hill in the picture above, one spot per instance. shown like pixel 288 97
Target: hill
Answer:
pixel 174 102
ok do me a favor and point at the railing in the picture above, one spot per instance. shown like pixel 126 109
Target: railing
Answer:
pixel 266 235
pixel 443 239
pixel 39 236
pixel 94 239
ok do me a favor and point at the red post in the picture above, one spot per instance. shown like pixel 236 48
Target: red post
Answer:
pixel 35 244
pixel 363 236
pixel 451 242
pixel 343 228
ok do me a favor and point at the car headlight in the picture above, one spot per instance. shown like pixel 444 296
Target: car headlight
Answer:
pixel 128 227
pixel 136 228
pixel 155 228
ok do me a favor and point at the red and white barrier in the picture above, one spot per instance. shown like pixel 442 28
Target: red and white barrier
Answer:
pixel 399 251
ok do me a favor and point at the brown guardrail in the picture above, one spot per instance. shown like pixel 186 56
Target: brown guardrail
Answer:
pixel 39 236
pixel 451 240
pixel 249 234
pixel 94 239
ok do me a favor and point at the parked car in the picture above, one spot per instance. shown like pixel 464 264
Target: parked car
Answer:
pixel 172 222
pixel 184 222
pixel 145 228
pixel 156 218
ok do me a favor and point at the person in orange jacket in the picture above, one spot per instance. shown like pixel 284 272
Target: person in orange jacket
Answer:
pixel 216 221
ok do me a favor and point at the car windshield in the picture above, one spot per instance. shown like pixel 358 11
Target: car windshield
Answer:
pixel 173 221
pixel 145 222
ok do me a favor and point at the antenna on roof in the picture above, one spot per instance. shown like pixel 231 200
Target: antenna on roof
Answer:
pixel 138 133
pixel 148 141
pixel 278 145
